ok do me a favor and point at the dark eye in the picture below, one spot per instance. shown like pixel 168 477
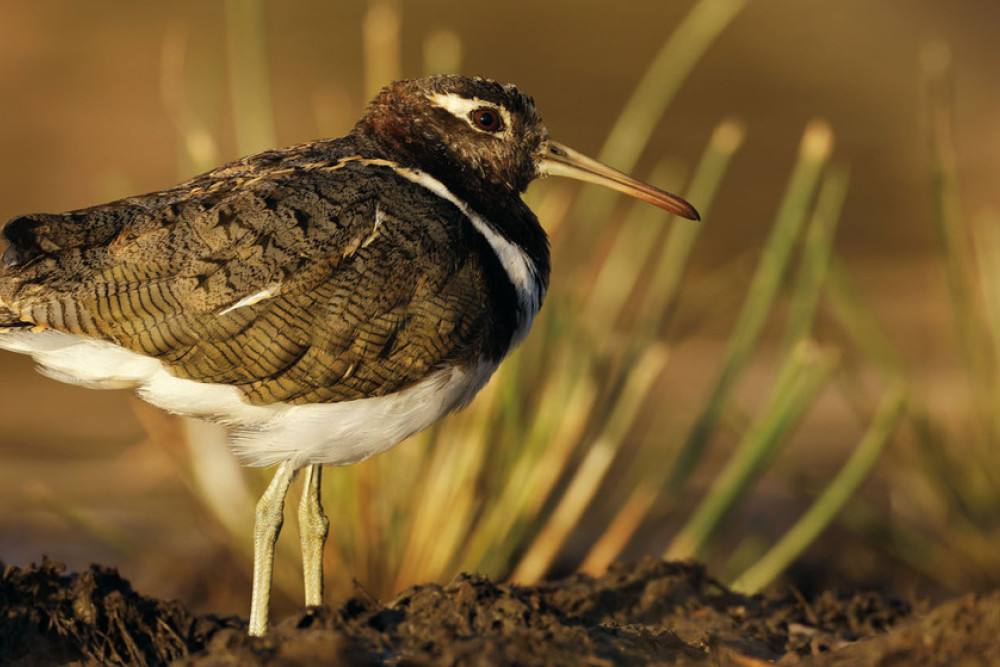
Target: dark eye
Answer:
pixel 486 118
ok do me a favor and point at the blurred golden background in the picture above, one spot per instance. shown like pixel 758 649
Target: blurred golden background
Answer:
pixel 104 99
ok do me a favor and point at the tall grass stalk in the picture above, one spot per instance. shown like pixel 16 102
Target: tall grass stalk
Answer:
pixel 817 142
pixel 956 455
pixel 833 498
pixel 661 293
pixel 381 42
pixel 817 252
pixel 620 529
pixel 655 91
pixel 565 405
pixel 592 469
pixel 669 258
pixel 800 379
pixel 442 53
pixel 250 83
pixel 633 245
pixel 952 231
pixel 644 241
pixel 975 490
pixel 987 247
pixel 200 146
pixel 947 481
pixel 859 322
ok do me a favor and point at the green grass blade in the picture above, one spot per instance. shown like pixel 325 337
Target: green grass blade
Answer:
pixel 620 530
pixel 538 485
pixel 987 246
pixel 651 97
pixel 952 233
pixel 858 321
pixel 802 376
pixel 253 116
pixel 590 473
pixel 546 450
pixel 833 498
pixel 218 477
pixel 442 53
pixel 380 36
pixel 638 241
pixel 816 255
pixel 665 283
pixel 631 249
pixel 663 78
pixel 201 150
pixel 815 148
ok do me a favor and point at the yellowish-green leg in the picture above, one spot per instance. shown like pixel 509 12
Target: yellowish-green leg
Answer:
pixel 270 515
pixel 313 529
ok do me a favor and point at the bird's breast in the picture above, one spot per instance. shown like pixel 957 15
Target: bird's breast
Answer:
pixel 519 269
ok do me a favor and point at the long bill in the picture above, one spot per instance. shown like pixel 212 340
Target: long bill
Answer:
pixel 560 160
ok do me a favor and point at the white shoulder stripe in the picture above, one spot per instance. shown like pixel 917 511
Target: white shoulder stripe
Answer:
pixel 519 266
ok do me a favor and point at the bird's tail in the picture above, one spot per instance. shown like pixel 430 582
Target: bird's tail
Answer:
pixel 9 321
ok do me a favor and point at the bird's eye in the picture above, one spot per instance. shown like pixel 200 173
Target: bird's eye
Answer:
pixel 486 118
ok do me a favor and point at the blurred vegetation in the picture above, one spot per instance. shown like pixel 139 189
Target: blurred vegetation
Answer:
pixel 571 456
pixel 952 531
pixel 501 487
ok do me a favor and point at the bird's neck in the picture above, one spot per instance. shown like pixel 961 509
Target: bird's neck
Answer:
pixel 506 212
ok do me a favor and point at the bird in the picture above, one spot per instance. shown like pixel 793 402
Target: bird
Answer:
pixel 325 300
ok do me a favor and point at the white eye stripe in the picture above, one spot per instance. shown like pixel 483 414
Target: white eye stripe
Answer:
pixel 462 107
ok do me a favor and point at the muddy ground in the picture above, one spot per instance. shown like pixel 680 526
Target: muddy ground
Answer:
pixel 652 612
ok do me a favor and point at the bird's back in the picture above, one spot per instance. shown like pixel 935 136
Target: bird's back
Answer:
pixel 309 275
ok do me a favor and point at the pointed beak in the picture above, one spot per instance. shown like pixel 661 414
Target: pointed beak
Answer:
pixel 560 160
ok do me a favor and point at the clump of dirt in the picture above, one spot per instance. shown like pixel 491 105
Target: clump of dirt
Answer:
pixel 50 618
pixel 650 612
pixel 962 632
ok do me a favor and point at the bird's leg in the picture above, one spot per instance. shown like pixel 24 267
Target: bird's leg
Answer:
pixel 313 529
pixel 270 515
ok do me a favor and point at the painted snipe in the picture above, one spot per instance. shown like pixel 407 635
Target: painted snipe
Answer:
pixel 325 300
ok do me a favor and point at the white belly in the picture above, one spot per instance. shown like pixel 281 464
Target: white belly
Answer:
pixel 326 433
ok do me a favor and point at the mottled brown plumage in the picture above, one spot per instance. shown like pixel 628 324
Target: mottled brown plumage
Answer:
pixel 359 310
pixel 328 299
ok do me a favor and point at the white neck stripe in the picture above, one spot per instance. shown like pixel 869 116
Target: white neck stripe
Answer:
pixel 519 266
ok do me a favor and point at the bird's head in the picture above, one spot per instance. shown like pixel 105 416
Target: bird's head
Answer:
pixel 485 139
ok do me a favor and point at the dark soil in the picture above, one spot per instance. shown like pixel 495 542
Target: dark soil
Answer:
pixel 648 613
